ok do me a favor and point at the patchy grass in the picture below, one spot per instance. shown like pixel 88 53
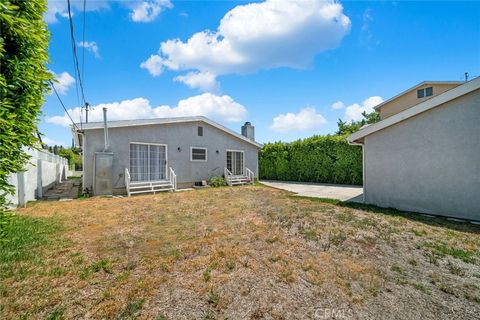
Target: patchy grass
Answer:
pixel 441 249
pixel 245 252
pixel 23 251
pixel 131 310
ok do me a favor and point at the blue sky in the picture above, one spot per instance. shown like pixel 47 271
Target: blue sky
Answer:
pixel 292 68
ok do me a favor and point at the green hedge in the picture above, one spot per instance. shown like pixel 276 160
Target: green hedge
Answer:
pixel 24 80
pixel 326 159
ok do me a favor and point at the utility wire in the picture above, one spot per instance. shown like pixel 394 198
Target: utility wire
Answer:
pixel 83 38
pixel 83 63
pixel 74 49
pixel 63 105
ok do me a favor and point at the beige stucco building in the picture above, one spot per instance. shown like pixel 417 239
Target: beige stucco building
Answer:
pixel 424 154
pixel 415 95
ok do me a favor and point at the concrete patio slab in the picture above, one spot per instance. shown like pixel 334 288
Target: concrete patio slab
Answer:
pixel 320 190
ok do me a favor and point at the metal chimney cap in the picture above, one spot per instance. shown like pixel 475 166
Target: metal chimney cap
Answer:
pixel 247 123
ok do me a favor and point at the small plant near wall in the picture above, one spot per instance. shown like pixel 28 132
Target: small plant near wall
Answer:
pixel 217 181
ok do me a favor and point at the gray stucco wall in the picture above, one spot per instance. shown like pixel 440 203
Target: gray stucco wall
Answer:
pixel 183 135
pixel 429 163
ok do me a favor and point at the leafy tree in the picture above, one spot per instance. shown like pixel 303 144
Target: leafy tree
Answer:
pixel 23 81
pixel 345 128
pixel 72 155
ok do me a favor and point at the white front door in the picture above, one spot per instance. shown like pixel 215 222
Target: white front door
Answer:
pixel 148 162
pixel 235 162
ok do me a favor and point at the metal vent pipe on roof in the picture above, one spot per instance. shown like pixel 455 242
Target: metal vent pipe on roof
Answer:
pixel 105 129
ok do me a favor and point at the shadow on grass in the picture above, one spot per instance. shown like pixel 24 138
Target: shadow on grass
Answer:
pixel 438 221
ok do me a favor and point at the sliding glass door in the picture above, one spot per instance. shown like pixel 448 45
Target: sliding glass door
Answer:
pixel 148 162
pixel 235 162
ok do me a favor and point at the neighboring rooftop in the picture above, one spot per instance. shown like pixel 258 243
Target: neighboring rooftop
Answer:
pixel 423 83
pixel 435 101
pixel 417 94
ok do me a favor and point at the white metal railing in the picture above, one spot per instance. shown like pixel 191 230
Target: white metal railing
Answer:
pixel 250 175
pixel 150 186
pixel 173 179
pixel 228 176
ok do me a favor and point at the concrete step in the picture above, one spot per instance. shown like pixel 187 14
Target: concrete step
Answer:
pixel 148 183
pixel 150 191
pixel 238 179
pixel 62 190
pixel 155 186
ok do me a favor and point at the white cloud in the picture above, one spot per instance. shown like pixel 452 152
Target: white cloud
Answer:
pixel 306 119
pixel 366 36
pixel 148 10
pixel 366 19
pixel 270 34
pixel 140 10
pixel 220 108
pixel 204 81
pixel 338 105
pixel 154 65
pixel 354 111
pixel 63 81
pixel 58 8
pixel 90 46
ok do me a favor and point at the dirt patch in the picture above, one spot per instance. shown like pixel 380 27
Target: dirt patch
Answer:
pixel 243 253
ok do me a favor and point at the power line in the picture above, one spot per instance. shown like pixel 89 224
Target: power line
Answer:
pixel 83 38
pixel 83 57
pixel 74 49
pixel 63 105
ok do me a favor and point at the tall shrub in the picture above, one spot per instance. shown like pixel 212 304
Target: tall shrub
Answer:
pixel 326 159
pixel 23 82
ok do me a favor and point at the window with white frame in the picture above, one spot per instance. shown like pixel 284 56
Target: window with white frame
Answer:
pixel 148 162
pixel 198 154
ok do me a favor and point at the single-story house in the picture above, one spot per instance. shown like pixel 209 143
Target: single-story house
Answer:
pixel 163 154
pixel 424 153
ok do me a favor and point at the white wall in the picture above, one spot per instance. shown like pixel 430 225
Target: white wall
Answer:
pixel 42 171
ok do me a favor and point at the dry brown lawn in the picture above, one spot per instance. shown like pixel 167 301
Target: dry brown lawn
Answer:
pixel 235 253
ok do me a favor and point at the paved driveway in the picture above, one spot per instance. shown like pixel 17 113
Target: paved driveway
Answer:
pixel 320 190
